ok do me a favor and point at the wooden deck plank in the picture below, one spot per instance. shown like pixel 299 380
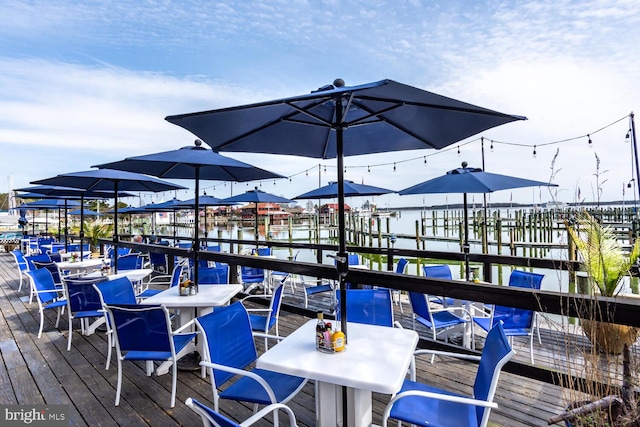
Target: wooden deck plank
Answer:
pixel 43 371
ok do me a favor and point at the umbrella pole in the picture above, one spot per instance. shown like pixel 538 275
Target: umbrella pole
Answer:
pixel 465 245
pixel 81 227
pixel 115 227
pixel 66 226
pixel 196 235
pixel 343 257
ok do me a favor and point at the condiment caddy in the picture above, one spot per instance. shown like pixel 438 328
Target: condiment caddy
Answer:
pixel 328 340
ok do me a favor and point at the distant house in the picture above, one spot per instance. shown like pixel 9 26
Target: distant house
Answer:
pixel 333 207
pixel 272 209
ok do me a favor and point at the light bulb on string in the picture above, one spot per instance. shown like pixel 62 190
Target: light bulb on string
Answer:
pixel 590 142
pixel 425 160
pixel 368 169
pixel 627 138
pixel 394 166
pixel 458 151
pixel 345 169
pixel 534 152
pixel 325 169
pixel 274 182
pixel 290 179
pixel 306 172
pixel 491 148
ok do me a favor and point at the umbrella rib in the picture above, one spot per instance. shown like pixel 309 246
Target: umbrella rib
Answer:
pixel 286 117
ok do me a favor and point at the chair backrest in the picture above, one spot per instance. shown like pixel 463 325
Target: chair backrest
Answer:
pixel 437 271
pixel 525 279
pixel 402 265
pixel 274 305
pixel 157 259
pixel 52 267
pixel 495 354
pixel 176 275
pixel 210 418
pixel 121 251
pixel 141 328
pixel 116 292
pixel 213 248
pixel 227 339
pixel 263 251
pixel 420 305
pixel 185 245
pixel 131 261
pixel 20 260
pixel 81 295
pixel 55 256
pixel 75 247
pixel 40 258
pixel 370 306
pixel 518 318
pixel 251 274
pixel 213 275
pixel 43 283
pixel 354 259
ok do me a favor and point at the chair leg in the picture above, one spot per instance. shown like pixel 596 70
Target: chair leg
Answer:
pixel 70 332
pixel 119 386
pixel 174 381
pixel 110 344
pixel 20 285
pixel 41 322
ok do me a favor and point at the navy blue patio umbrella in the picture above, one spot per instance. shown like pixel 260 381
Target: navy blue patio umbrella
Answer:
pixel 85 212
pixel 169 205
pixel 336 121
pixel 205 201
pixel 351 189
pixel 46 204
pixel 109 180
pixel 470 180
pixel 256 196
pixel 195 163
pixel 57 192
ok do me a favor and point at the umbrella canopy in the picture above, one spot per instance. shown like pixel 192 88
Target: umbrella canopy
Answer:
pixel 351 189
pixel 470 180
pixel 109 180
pixel 256 196
pixel 57 192
pixel 170 205
pixel 336 121
pixel 194 163
pixel 85 212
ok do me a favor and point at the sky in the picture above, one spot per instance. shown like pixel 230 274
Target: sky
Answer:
pixel 89 82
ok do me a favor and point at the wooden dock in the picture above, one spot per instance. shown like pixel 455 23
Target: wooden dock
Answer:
pixel 42 371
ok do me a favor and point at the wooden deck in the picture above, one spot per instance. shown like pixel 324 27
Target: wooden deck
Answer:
pixel 42 371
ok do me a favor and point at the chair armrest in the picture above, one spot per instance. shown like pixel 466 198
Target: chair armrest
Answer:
pixel 448 353
pixel 257 378
pixel 438 396
pixel 270 336
pixel 263 297
pixel 183 327
pixel 162 277
pixel 267 409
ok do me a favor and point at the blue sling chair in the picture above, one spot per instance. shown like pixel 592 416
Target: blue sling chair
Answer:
pixel 211 418
pixel 48 295
pixel 230 352
pixel 427 406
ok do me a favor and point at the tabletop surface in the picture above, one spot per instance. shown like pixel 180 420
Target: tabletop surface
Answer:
pixel 376 358
pixel 207 296
pixel 93 262
pixel 133 275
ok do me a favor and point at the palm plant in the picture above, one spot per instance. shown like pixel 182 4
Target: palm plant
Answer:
pixel 604 259
pixel 94 231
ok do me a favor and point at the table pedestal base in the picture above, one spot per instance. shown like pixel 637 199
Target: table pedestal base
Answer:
pixel 329 406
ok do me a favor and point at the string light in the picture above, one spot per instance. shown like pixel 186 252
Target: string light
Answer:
pixel 628 137
pixel 458 151
pixel 394 166
pixel 325 169
pixel 368 169
pixel 345 169
pixel 491 148
pixel 306 172
pixel 425 160
pixel 590 142
pixel 534 152
pixel 290 180
pixel 274 182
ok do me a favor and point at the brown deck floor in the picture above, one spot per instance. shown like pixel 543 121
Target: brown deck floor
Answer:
pixel 39 371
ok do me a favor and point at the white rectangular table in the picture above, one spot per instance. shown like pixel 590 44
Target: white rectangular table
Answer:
pixel 208 296
pixel 80 266
pixel 376 360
